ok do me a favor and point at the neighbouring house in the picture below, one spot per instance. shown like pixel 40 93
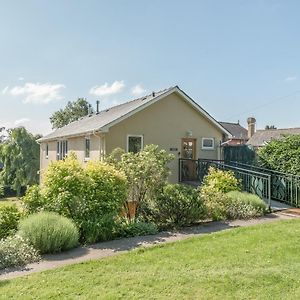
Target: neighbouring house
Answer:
pixel 168 118
pixel 261 137
pixel 239 134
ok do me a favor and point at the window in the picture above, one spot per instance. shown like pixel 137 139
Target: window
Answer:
pixel 61 149
pixel 134 143
pixel 87 148
pixel 208 143
pixel 47 150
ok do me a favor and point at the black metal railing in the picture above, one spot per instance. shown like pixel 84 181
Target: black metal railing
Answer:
pixel 284 187
pixel 266 183
pixel 252 181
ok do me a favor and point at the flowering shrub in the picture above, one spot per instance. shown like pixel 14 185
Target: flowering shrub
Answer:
pixel 49 232
pixel 33 201
pixel 244 206
pixel 15 251
pixel 9 219
pixel 147 171
pixel 219 181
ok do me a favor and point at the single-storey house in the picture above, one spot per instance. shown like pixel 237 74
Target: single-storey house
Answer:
pixel 168 118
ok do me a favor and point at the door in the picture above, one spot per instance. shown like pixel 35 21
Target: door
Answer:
pixel 189 163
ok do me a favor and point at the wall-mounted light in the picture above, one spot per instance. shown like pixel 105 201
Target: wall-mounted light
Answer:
pixel 189 133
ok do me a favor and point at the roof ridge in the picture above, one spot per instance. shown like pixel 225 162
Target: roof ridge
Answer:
pixel 136 99
pixel 278 129
pixel 118 105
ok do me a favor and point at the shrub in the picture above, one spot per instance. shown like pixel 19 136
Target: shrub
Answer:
pixel 215 204
pixel 97 230
pixel 49 232
pixel 219 181
pixel 136 228
pixel 178 205
pixel 87 195
pixel 65 186
pixel 9 220
pixel 14 251
pixel 244 206
pixel 33 200
pixel 146 171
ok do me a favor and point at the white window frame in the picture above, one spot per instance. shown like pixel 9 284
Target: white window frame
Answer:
pixel 134 135
pixel 208 148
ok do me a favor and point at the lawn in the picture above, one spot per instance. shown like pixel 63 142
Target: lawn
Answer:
pixel 259 262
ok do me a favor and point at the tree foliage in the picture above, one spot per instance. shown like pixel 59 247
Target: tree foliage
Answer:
pixel 19 154
pixel 282 155
pixel 72 112
pixel 147 171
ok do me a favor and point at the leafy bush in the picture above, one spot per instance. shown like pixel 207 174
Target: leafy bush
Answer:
pixel 9 220
pixel 215 204
pixel 136 228
pixel 219 181
pixel 146 171
pixel 282 155
pixel 178 205
pixel 244 206
pixel 15 251
pixel 97 230
pixel 90 196
pixel 49 232
pixel 33 200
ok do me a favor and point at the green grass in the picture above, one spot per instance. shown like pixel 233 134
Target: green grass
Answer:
pixel 259 262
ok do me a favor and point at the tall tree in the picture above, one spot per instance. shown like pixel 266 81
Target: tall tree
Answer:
pixel 19 154
pixel 72 112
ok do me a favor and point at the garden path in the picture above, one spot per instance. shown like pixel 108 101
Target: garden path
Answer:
pixel 110 248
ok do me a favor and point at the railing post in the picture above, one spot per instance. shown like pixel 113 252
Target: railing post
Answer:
pixel 269 191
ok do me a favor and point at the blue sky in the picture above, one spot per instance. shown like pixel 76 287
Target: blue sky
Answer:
pixel 235 58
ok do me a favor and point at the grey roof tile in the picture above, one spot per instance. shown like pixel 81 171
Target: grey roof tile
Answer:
pixel 237 131
pixel 261 137
pixel 95 121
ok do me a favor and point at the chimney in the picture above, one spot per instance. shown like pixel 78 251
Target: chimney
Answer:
pixel 97 103
pixel 251 126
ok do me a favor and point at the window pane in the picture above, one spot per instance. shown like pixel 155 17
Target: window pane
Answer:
pixel 207 143
pixel 87 148
pixel 134 144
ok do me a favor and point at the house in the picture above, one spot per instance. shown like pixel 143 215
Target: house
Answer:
pixel 168 118
pixel 261 137
pixel 239 134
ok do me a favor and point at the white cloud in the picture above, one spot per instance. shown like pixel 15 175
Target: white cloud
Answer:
pixel 21 78
pixel 38 92
pixel 21 121
pixel 4 91
pixel 290 78
pixel 106 89
pixel 138 90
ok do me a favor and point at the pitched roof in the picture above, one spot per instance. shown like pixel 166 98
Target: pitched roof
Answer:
pixel 237 131
pixel 103 120
pixel 261 137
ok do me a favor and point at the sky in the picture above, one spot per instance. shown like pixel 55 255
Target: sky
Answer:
pixel 234 58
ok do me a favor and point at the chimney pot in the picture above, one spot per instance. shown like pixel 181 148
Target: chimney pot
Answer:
pixel 97 103
pixel 251 126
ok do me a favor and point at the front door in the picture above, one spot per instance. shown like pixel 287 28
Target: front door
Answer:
pixel 189 164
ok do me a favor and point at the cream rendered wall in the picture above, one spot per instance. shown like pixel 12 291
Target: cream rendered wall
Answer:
pixel 165 123
pixel 75 144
